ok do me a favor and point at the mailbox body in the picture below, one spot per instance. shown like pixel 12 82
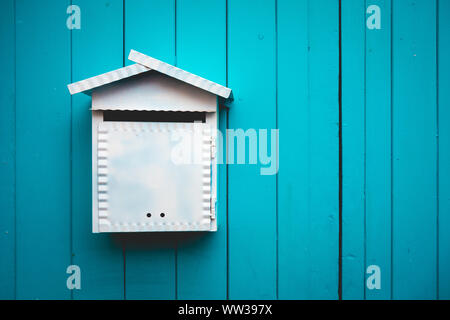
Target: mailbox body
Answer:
pixel 154 133
pixel 154 166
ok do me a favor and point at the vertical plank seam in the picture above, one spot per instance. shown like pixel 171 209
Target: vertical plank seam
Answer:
pixel 392 150
pixel 175 63
pixel 124 256
pixel 176 270
pixel 15 153
pixel 175 31
pixel 71 156
pixel 123 33
pixel 437 149
pixel 124 251
pixel 308 112
pixel 340 153
pixel 227 201
pixel 276 150
pixel 226 156
pixel 365 154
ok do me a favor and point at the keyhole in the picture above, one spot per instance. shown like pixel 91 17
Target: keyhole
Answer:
pixel 162 215
pixel 149 215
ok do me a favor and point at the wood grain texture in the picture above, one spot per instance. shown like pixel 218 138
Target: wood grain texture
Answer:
pixel 444 147
pixel 202 258
pixel 399 116
pixel 378 150
pixel 293 195
pixel 414 150
pixel 43 150
pixel 308 72
pixel 99 256
pixel 353 148
pixel 252 196
pixel 324 75
pixel 7 151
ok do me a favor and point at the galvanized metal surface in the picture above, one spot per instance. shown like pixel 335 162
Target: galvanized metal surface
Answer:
pixel 153 177
pixel 153 91
pixel 143 65
pixel 179 74
pixel 106 78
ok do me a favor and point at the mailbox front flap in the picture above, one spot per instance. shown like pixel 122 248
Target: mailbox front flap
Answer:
pixel 154 177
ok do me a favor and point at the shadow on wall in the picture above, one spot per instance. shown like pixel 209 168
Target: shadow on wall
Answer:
pixel 158 240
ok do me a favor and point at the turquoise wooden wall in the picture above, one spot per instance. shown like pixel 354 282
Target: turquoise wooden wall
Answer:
pixel 364 139
pixel 396 149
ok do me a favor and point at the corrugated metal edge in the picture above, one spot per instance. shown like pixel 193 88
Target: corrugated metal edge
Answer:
pixel 102 178
pixel 177 109
pixel 206 177
pixel 106 78
pixel 179 74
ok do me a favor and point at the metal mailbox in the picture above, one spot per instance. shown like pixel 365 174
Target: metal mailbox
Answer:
pixel 154 137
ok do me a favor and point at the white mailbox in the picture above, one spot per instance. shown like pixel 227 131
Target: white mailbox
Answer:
pixel 154 133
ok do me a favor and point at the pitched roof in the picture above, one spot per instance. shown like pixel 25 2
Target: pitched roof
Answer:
pixel 105 78
pixel 146 63
pixel 179 74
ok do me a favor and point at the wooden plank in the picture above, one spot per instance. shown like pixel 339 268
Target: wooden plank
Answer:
pixel 324 151
pixel 378 150
pixel 150 259
pixel 444 148
pixel 7 151
pixel 293 122
pixel 43 149
pixel 353 148
pixel 308 117
pixel 99 256
pixel 202 258
pixel 150 29
pixel 414 150
pixel 252 197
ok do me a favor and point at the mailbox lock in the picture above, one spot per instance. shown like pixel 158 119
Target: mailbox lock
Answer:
pixel 149 215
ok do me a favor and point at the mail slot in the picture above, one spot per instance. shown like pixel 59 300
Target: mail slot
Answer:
pixel 154 137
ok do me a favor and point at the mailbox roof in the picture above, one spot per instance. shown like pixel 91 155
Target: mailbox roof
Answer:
pixel 146 63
